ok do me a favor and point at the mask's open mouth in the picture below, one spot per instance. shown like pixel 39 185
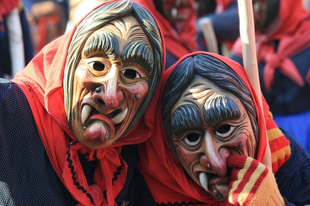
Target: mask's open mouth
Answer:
pixel 212 182
pixel 117 116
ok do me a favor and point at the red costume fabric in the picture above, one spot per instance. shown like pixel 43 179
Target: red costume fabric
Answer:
pixel 42 82
pixel 177 43
pixel 166 178
pixel 222 5
pixel 7 6
pixel 293 33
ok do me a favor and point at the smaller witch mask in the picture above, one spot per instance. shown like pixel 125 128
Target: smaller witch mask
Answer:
pixel 209 117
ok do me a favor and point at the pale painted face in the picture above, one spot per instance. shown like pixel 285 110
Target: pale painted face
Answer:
pixel 208 125
pixel 260 13
pixel 109 89
pixel 178 10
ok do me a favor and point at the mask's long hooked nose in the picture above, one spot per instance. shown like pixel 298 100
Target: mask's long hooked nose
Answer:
pixel 214 156
pixel 109 94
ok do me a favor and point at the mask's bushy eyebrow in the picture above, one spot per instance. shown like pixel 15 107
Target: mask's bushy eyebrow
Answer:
pixel 219 109
pixel 102 42
pixel 185 118
pixel 139 51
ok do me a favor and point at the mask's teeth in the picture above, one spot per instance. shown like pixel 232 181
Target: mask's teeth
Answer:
pixel 203 179
pixel 86 110
pixel 119 117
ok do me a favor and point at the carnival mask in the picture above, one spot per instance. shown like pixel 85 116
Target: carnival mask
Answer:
pixel 208 120
pixel 110 82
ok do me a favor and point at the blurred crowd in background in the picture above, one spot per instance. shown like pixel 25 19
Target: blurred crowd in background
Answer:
pixel 38 22
pixel 26 26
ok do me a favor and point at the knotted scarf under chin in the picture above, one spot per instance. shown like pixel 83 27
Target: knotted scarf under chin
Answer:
pixel 111 167
pixel 281 59
pixel 63 152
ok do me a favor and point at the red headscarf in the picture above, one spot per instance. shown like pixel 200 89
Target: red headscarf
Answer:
pixel 7 6
pixel 222 5
pixel 42 82
pixel 292 28
pixel 178 44
pixel 166 178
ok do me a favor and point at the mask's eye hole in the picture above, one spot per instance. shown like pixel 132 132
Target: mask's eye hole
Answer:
pixel 131 74
pixel 98 66
pixel 192 139
pixel 225 130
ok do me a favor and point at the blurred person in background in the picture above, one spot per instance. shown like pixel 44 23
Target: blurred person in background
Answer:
pixel 79 8
pixel 47 20
pixel 16 48
pixel 223 16
pixel 177 20
pixel 283 51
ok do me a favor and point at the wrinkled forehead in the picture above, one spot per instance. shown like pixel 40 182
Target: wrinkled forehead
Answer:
pixel 122 38
pixel 126 29
pixel 207 98
pixel 200 89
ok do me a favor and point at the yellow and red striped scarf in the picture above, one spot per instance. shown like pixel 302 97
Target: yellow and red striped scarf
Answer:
pixel 279 145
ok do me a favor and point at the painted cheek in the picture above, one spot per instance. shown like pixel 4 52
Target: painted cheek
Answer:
pixel 81 71
pixel 241 138
pixel 131 98
pixel 139 88
pixel 240 142
pixel 78 82
pixel 81 78
pixel 185 155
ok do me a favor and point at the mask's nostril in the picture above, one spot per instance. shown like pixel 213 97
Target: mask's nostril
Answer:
pixel 99 95
pixel 100 101
pixel 98 89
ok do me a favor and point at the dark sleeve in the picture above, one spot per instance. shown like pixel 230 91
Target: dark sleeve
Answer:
pixel 5 56
pixel 135 191
pixel 28 42
pixel 26 174
pixel 293 178
pixel 226 23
